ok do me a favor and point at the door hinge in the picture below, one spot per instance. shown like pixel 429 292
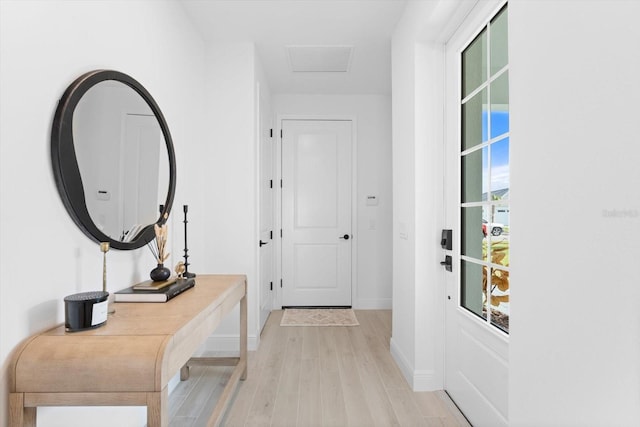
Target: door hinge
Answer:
pixel 271 234
pixel 280 282
pixel 270 183
pixel 281 233
pixel 270 133
pixel 280 133
pixel 280 183
pixel 270 286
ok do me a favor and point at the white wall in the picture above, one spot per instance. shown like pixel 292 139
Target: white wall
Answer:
pixel 372 114
pixel 44 46
pixel 230 182
pixel 575 324
pixel 403 156
pixel 418 297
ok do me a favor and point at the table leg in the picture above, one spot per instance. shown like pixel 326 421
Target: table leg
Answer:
pixel 184 373
pixel 157 408
pixel 19 416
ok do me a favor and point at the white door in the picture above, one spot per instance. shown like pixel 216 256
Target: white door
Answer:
pixel 316 213
pixel 266 243
pixel 477 189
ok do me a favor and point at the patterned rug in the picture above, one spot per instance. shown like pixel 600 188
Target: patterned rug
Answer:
pixel 319 317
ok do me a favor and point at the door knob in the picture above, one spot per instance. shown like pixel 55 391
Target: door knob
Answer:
pixel 345 237
pixel 262 243
pixel 448 263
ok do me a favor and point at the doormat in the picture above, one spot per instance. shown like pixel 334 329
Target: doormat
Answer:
pixel 319 317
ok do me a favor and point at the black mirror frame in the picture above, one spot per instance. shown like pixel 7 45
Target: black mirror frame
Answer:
pixel 65 165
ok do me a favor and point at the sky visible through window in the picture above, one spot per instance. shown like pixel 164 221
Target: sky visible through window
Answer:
pixel 499 151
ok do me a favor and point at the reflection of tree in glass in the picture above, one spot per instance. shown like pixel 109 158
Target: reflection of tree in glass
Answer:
pixel 500 281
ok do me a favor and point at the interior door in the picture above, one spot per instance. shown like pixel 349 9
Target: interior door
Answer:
pixel 477 190
pixel 266 252
pixel 316 212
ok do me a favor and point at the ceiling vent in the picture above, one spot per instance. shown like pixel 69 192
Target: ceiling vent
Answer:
pixel 320 59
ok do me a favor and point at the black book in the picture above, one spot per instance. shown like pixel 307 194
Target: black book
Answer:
pixel 160 295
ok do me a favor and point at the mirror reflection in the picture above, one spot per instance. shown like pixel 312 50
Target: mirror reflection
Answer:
pixel 122 159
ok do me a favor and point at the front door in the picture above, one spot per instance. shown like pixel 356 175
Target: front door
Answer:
pixel 316 212
pixel 477 205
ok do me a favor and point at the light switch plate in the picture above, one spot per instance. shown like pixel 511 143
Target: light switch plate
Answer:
pixel 403 231
pixel 103 195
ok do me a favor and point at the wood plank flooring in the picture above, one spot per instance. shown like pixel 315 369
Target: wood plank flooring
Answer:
pixel 316 376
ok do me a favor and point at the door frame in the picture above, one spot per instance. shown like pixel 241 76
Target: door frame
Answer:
pixel 263 98
pixel 278 199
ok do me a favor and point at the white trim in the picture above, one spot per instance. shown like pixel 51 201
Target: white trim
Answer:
pixel 258 202
pixel 476 20
pixel 354 196
pixel 276 298
pixel 426 380
pixel 259 148
pixel 419 380
pixel 405 367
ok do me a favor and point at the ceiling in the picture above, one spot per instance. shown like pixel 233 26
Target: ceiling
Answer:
pixel 276 25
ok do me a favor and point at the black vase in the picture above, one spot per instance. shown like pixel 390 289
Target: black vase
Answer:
pixel 160 273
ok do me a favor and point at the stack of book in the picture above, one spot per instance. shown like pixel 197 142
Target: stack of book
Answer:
pixel 150 291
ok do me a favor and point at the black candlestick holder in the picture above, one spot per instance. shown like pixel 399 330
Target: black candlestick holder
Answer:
pixel 186 249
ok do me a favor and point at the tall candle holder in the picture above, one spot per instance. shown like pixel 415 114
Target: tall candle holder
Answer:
pixel 186 273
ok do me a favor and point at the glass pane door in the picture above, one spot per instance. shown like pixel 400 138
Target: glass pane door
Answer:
pixel 485 170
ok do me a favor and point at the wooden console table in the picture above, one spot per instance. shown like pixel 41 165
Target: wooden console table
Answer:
pixel 130 360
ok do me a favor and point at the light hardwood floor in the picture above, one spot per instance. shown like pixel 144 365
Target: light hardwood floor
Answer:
pixel 317 376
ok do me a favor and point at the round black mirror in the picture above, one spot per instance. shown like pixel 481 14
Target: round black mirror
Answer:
pixel 113 159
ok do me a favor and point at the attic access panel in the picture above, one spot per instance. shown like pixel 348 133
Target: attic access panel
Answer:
pixel 321 59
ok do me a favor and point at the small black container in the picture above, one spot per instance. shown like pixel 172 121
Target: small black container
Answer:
pixel 86 310
pixel 160 273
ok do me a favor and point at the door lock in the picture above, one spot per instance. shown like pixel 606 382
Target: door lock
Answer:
pixel 447 241
pixel 448 263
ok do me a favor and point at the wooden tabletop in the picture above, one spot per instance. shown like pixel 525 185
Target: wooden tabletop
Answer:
pixel 139 349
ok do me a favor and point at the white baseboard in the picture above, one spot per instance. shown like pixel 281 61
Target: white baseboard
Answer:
pixel 422 380
pixel 230 343
pixel 373 304
pixel 426 380
pixel 402 362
